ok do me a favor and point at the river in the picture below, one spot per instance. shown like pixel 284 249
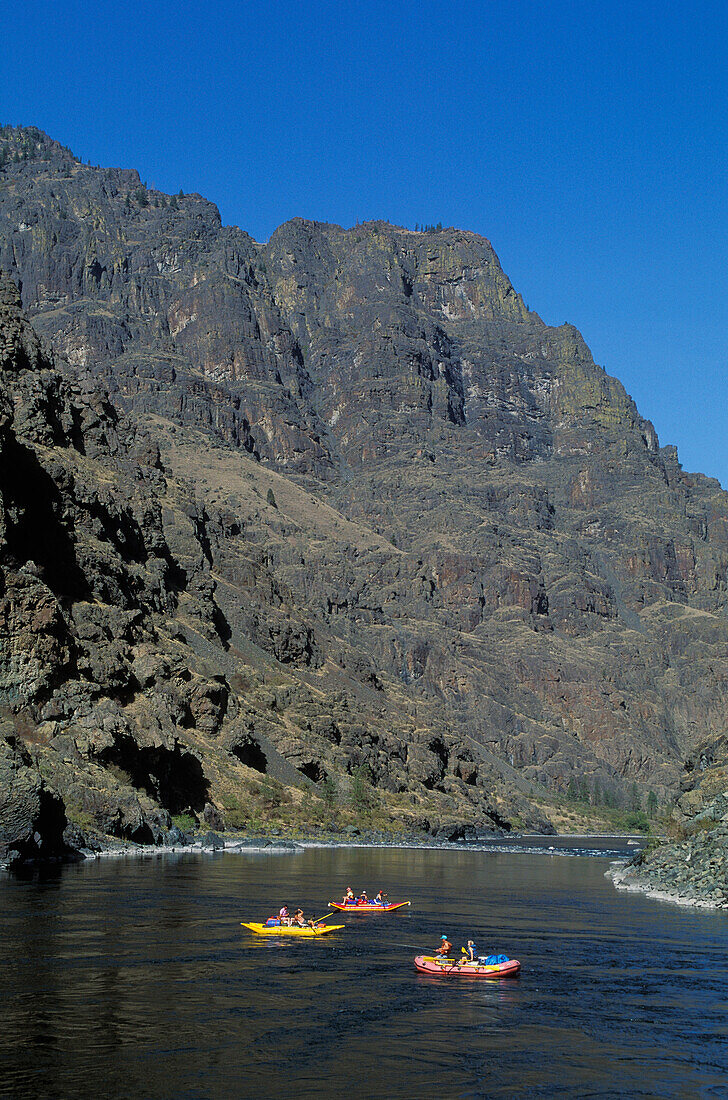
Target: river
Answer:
pixel 133 978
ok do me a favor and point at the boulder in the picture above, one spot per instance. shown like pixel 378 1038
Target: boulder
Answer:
pixel 175 838
pixel 211 842
pixel 212 817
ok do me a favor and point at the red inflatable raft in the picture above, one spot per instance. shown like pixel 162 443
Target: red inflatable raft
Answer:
pixel 456 968
pixel 367 906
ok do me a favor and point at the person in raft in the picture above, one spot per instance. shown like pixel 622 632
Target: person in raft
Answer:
pixel 283 916
pixel 363 899
pixel 381 898
pixel 470 952
pixel 444 948
pixel 348 898
pixel 298 919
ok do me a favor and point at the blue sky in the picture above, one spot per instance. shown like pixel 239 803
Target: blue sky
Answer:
pixel 586 140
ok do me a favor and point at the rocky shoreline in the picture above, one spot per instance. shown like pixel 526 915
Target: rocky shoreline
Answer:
pixel 208 844
pixel 691 871
pixel 176 842
pixel 212 843
pixel 624 878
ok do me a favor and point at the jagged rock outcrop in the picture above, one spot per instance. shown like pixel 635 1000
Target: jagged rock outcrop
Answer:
pixel 692 867
pixel 32 818
pixel 348 503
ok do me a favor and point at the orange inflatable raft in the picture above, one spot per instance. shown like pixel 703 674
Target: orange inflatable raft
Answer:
pixel 461 968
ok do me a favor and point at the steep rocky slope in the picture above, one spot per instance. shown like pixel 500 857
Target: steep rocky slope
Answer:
pixel 145 642
pixel 444 536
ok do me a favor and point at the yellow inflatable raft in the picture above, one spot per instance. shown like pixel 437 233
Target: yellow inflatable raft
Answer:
pixel 287 930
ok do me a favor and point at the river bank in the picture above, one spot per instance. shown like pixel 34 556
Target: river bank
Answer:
pixel 692 871
pixel 692 868
pixel 627 879
pixel 211 843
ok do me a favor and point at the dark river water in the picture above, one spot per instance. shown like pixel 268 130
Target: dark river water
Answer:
pixel 133 978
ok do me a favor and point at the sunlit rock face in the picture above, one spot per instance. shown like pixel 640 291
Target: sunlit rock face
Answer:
pixel 343 500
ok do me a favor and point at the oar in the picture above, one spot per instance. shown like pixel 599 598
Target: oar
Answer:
pixel 317 920
pixel 458 962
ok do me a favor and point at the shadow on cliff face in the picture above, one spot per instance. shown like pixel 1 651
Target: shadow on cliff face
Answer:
pixel 222 626
pixel 33 504
pixel 172 777
pixel 313 770
pixel 49 826
pixel 45 841
pixel 251 754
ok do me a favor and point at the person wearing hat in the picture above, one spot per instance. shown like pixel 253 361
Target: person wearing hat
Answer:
pixel 444 948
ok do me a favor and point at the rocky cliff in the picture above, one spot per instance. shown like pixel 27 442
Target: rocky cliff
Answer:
pixel 374 517
pixel 152 663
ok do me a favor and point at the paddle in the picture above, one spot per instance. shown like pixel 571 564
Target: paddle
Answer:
pixel 467 958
